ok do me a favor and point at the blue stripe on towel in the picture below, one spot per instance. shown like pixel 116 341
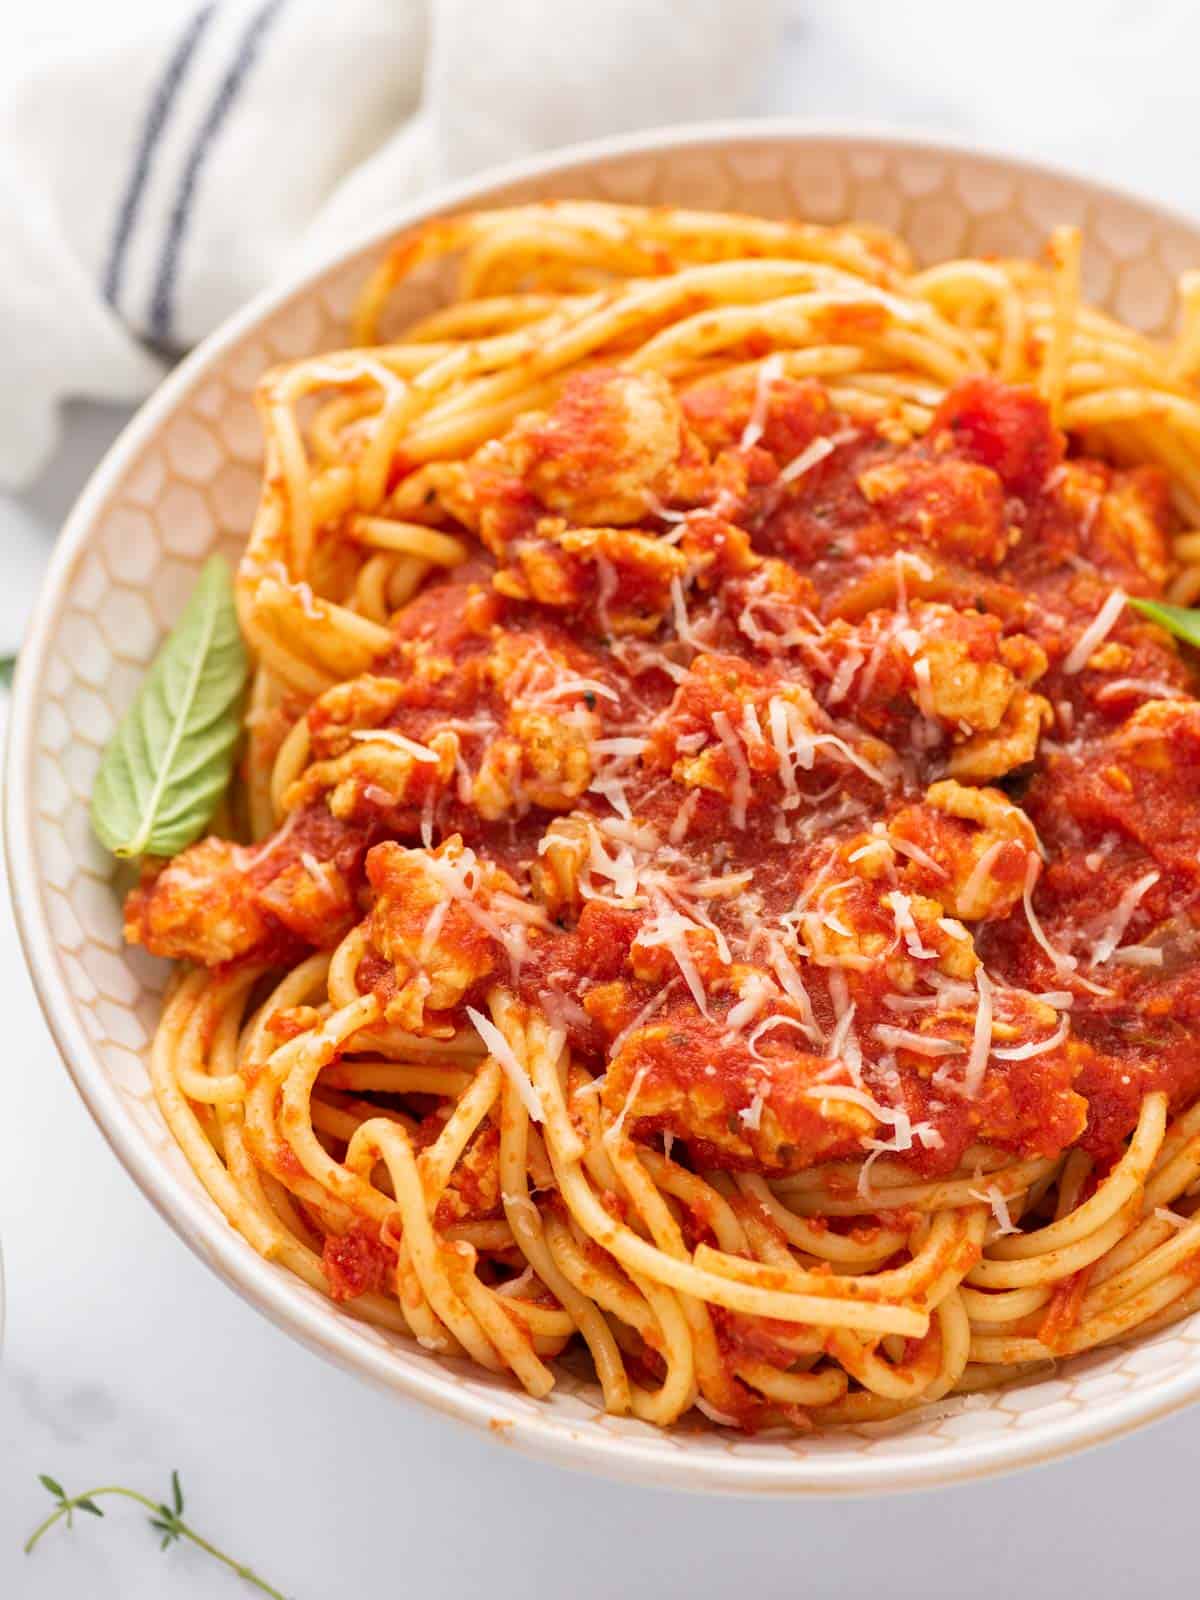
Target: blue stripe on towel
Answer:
pixel 157 115
pixel 162 301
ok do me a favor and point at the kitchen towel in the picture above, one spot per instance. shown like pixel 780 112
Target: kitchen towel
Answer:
pixel 155 176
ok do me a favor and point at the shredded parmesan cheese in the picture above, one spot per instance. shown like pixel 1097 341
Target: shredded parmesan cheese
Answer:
pixel 419 752
pixel 843 678
pixel 924 678
pixel 751 1116
pixel 980 873
pixel 1025 1052
pixel 766 1025
pixel 613 1132
pixel 915 853
pixel 755 990
pixel 921 1044
pixel 1062 961
pixel 900 906
pixel 995 1198
pixel 809 457
pixel 650 1009
pixel 1123 912
pixel 683 625
pixel 1096 632
pixel 681 821
pixel 1165 1214
pixel 843 1046
pixel 501 1051
pixel 768 373
pixel 318 871
pixel 1139 955
pixel 1150 687
pixel 981 1042
pixel 580 686
pixel 732 746
pixel 669 929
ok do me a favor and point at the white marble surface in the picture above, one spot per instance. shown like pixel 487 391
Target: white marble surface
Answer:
pixel 124 1357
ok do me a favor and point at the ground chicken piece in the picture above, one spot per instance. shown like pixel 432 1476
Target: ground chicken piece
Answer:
pixel 312 899
pixel 1134 517
pixel 974 674
pixel 972 849
pixel 1123 518
pixel 992 754
pixel 611 450
pixel 772 604
pixel 1162 736
pixel 863 855
pixel 218 901
pixel 684 1074
pixel 554 872
pixel 956 507
pixel 1023 657
pixel 625 576
pixel 962 690
pixel 794 412
pixel 846 927
pixel 486 495
pixel 376 772
pixel 422 666
pixel 714 550
pixel 953 666
pixel 200 907
pixel 540 760
pixel 654 956
pixel 858 923
pixel 612 447
pixel 422 923
pixel 364 702
pixel 523 669
pixel 723 728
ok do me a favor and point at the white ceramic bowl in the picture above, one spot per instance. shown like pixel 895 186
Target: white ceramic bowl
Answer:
pixel 183 480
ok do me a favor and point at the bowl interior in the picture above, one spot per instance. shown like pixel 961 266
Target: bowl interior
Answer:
pixel 183 481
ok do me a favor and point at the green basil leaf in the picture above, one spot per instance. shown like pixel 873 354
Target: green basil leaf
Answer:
pixel 52 1485
pixel 1182 621
pixel 170 760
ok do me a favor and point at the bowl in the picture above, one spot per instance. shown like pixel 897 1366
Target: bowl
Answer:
pixel 182 481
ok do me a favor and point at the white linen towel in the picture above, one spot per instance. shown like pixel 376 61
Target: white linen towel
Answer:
pixel 152 180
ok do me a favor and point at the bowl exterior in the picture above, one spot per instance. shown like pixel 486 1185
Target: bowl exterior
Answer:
pixel 182 481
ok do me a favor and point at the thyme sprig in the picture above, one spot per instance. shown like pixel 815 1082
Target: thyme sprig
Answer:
pixel 166 1519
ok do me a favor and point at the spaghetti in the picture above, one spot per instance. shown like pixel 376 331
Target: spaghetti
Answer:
pixel 720 870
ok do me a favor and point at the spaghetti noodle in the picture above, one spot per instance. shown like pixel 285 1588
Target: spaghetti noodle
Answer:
pixel 720 870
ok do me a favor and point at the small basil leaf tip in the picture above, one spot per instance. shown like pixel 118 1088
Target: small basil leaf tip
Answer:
pixel 170 760
pixel 1182 621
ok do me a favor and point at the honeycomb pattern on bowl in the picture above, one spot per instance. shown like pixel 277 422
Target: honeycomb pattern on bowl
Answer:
pixel 189 487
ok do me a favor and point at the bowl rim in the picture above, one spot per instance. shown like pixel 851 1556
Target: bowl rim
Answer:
pixel 190 1212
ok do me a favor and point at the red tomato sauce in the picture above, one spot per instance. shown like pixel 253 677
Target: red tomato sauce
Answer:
pixel 805 775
